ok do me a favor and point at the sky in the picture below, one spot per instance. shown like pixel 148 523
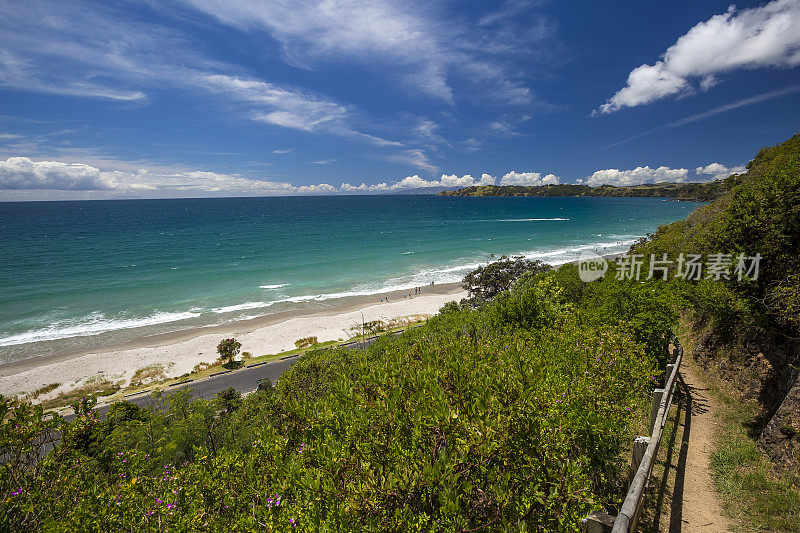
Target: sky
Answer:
pixel 195 98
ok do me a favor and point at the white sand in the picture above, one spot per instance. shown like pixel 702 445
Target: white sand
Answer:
pixel 181 356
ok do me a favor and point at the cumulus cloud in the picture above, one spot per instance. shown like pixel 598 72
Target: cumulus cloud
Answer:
pixel 637 176
pixel 23 173
pixel 761 37
pixel 415 182
pixel 717 171
pixel 486 179
pixel 528 179
pixel 452 181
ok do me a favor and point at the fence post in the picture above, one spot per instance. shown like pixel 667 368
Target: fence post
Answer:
pixel 657 395
pixel 639 446
pixel 598 522
pixel 670 368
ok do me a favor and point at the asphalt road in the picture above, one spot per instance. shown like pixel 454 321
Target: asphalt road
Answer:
pixel 243 380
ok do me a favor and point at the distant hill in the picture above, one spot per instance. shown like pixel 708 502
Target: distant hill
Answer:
pixel 703 192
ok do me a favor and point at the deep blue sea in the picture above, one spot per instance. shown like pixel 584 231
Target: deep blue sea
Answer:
pixel 77 275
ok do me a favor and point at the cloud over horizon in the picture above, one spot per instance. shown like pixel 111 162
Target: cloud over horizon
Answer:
pixel 25 174
pixel 717 171
pixel 129 179
pixel 761 37
pixel 636 176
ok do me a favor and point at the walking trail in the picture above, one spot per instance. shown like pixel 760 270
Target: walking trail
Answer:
pixel 695 502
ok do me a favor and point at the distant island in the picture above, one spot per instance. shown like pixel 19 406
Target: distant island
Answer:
pixel 701 192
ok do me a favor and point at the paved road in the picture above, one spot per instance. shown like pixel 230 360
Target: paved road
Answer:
pixel 243 380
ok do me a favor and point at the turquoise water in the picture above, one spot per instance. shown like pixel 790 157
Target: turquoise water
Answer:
pixel 77 275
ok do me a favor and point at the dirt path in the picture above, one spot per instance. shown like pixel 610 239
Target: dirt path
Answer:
pixel 695 505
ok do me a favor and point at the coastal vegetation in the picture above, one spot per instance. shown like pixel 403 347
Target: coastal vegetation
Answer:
pixel 306 342
pixel 677 191
pixel 511 415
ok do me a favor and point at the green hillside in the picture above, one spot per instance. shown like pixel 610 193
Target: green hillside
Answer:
pixel 677 191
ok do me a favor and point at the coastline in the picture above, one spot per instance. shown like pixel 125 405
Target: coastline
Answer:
pixel 179 352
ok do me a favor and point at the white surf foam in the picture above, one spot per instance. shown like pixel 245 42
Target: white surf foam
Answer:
pixel 241 307
pixel 92 325
pixel 530 219
pixel 276 286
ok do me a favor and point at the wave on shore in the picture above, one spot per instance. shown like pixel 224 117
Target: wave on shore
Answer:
pixel 92 325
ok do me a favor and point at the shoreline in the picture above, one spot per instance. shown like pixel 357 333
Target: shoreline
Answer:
pixel 177 352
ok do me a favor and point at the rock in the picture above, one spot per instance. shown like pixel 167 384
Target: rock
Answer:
pixel 780 438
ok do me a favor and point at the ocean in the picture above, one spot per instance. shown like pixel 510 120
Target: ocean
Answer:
pixel 89 274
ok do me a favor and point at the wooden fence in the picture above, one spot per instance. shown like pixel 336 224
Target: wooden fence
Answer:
pixel 645 450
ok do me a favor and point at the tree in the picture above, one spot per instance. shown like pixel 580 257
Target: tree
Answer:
pixel 229 348
pixel 487 282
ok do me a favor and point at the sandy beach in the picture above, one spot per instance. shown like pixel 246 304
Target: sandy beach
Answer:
pixel 180 352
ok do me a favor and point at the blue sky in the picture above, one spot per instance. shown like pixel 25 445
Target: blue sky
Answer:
pixel 114 99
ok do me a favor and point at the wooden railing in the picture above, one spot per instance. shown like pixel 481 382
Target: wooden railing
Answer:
pixel 645 450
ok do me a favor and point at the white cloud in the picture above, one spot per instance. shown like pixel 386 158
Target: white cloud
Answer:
pixel 415 182
pixel 454 181
pixel 450 181
pixel 761 37
pixel 378 187
pixel 413 157
pixel 472 145
pixel 283 107
pixel 486 179
pixel 719 171
pixel 346 187
pixel 637 176
pixel 423 50
pixel 22 173
pixel 528 179
pixel 315 189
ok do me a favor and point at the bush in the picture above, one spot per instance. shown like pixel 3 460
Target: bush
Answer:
pixel 305 342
